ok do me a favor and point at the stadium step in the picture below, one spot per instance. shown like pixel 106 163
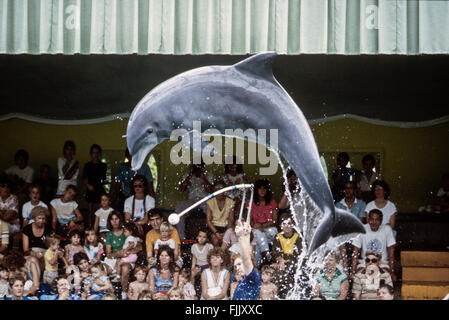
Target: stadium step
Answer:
pixel 425 275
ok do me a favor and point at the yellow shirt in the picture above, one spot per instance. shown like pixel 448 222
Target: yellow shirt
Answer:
pixel 288 244
pixel 220 217
pixel 49 256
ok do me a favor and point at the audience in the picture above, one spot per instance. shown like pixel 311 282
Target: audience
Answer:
pixel 341 175
pixel 68 168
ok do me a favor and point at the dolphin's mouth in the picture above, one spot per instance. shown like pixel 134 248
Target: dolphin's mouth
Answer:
pixel 139 157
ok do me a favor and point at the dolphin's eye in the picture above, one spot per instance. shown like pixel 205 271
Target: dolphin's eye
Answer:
pixel 150 131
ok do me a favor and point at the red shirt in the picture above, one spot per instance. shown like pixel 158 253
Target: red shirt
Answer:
pixel 262 213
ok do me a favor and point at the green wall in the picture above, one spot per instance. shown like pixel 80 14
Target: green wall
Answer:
pixel 411 160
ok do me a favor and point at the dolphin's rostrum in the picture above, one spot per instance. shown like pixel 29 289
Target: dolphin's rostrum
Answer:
pixel 246 96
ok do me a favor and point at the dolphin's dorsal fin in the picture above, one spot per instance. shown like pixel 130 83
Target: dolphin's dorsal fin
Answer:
pixel 259 65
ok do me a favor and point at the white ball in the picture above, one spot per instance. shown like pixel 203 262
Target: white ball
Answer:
pixel 173 218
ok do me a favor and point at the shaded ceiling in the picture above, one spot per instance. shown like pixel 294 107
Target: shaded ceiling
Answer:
pixel 390 88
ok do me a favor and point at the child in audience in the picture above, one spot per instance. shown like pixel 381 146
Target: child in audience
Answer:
pixel 74 246
pixel 175 293
pixel 145 295
pixel 269 290
pixel 34 194
pixel 100 284
pixel 17 282
pixel 140 285
pixel 385 292
pixel 166 230
pixel 199 251
pixel 109 296
pixel 65 213
pixel 102 214
pixel 184 282
pixel 92 247
pixel 4 282
pixel 51 257
pixel 130 232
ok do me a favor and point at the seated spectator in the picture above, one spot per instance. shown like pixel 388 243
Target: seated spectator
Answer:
pixel 357 208
pixel 74 246
pixel 268 290
pixel 198 183
pixel 378 238
pixel 366 178
pixel 155 234
pixel 4 282
pixel 164 275
pixel 63 289
pixel 166 239
pixel 122 188
pixel 17 283
pixel 4 236
pixel 381 192
pixel 219 214
pixel 28 268
pixel 68 168
pixel 200 251
pixel 21 175
pixel 139 285
pixel 65 213
pixel 287 247
pixel 47 183
pixel 34 235
pixel 442 197
pixel 94 178
pixel 187 286
pixel 9 205
pixel 114 242
pixel 331 283
pixel 367 279
pixel 99 285
pixel 341 175
pixel 102 214
pixel 385 292
pixel 51 256
pixel 34 194
pixel 294 188
pixel 138 205
pixel 215 279
pixel 264 212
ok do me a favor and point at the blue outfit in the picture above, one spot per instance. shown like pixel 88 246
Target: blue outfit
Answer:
pixel 161 284
pixel 23 298
pixel 357 209
pixel 56 297
pixel 125 175
pixel 249 287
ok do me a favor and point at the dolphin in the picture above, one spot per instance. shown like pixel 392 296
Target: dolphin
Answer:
pixel 247 96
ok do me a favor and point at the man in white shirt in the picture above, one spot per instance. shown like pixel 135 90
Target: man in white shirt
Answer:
pixel 378 238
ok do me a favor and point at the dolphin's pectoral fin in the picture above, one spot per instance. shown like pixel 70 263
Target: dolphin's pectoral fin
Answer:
pixel 345 223
pixel 259 65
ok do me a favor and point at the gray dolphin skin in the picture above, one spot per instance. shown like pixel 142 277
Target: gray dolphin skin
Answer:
pixel 245 96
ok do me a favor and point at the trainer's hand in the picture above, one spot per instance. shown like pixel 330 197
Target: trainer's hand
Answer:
pixel 242 229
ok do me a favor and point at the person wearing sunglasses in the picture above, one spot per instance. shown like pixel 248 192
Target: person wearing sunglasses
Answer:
pixel 137 206
pixel 367 280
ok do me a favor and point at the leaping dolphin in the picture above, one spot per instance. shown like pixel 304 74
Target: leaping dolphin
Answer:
pixel 246 96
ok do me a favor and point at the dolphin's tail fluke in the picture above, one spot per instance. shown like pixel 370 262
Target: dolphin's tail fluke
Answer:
pixel 344 223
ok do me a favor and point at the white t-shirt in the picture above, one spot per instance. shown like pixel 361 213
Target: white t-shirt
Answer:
pixel 103 218
pixel 201 255
pixel 441 193
pixel 139 213
pixel 62 183
pixel 26 210
pixel 130 239
pixel 196 186
pixel 169 242
pixel 387 211
pixel 375 241
pixel 26 173
pixel 65 211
